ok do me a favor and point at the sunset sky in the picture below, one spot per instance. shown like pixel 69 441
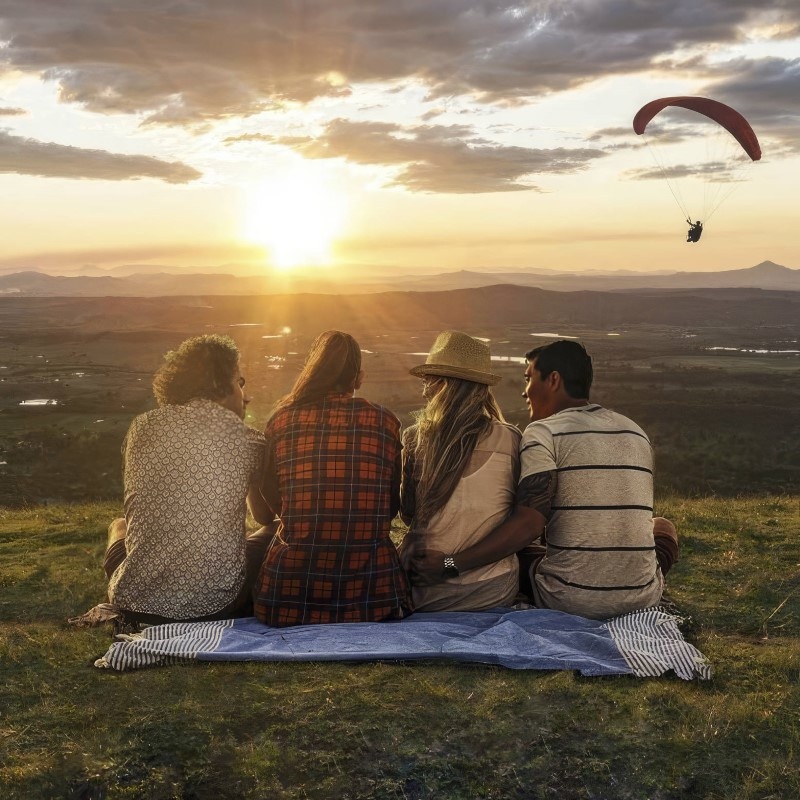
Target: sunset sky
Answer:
pixel 428 135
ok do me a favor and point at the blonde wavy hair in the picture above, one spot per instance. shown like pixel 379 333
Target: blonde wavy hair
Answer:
pixel 443 438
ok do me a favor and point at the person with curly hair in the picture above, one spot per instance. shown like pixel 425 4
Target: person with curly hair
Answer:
pixel 460 470
pixel 180 552
pixel 332 475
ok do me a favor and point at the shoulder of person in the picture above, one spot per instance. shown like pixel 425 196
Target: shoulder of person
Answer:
pixel 277 417
pixel 254 436
pixel 508 429
pixel 409 435
pixel 539 429
pixel 139 422
pixel 500 438
pixel 142 419
pixel 201 408
pixel 377 408
pixel 502 435
pixel 224 420
pixel 621 417
pixel 537 436
pixel 216 411
pixel 626 422
pixel 153 417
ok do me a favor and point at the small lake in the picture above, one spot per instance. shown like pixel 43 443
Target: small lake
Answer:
pixel 554 335
pixel 754 350
pixel 564 335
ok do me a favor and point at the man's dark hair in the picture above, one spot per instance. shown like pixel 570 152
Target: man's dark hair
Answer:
pixel 201 367
pixel 570 360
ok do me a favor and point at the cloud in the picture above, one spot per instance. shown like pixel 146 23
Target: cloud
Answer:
pixel 603 134
pixel 714 172
pixel 198 60
pixel 12 112
pixel 249 137
pixel 626 137
pixel 197 256
pixel 439 158
pixel 767 92
pixel 47 159
pixel 763 89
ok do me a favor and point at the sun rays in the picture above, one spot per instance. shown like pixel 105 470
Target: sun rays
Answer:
pixel 297 216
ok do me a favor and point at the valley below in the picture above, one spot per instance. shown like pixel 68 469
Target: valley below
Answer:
pixel 711 375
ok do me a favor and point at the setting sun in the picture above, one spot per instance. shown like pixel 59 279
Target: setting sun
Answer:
pixel 297 216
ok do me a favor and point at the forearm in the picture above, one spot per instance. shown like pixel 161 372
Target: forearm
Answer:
pixel 524 526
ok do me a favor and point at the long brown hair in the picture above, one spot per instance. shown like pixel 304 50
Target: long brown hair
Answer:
pixel 444 438
pixel 332 365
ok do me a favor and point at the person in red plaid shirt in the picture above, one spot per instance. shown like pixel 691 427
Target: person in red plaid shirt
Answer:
pixel 332 475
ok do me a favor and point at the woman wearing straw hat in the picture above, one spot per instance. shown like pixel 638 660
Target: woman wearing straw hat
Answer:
pixel 460 469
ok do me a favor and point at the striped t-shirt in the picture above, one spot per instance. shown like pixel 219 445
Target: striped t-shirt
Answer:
pixel 600 558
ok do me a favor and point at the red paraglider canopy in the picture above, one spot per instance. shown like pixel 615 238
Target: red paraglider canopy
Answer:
pixel 727 117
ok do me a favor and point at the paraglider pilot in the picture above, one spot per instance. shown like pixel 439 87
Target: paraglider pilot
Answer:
pixel 695 231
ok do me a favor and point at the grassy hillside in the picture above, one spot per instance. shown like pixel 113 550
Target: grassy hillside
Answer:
pixel 406 730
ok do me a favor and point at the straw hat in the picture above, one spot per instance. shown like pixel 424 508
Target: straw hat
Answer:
pixel 457 355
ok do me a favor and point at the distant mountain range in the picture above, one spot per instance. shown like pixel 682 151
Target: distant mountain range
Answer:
pixel 466 309
pixel 148 283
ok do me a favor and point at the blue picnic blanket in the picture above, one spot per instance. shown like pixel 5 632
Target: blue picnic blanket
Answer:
pixel 645 643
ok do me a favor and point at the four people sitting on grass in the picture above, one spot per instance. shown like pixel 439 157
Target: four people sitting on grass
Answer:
pixel 571 500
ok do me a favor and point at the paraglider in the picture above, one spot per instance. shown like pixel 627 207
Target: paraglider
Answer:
pixel 695 231
pixel 719 170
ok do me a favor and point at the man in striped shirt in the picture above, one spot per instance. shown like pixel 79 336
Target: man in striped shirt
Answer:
pixel 583 521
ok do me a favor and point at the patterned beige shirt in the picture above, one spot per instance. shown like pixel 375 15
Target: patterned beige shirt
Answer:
pixel 187 470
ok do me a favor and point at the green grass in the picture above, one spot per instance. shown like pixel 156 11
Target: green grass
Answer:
pixel 406 730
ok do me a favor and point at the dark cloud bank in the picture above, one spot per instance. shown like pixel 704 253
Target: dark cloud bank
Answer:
pixel 197 61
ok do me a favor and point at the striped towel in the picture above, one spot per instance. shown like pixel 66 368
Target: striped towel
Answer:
pixel 644 643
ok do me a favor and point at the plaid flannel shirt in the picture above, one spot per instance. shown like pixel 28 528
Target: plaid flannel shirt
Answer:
pixel 333 471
